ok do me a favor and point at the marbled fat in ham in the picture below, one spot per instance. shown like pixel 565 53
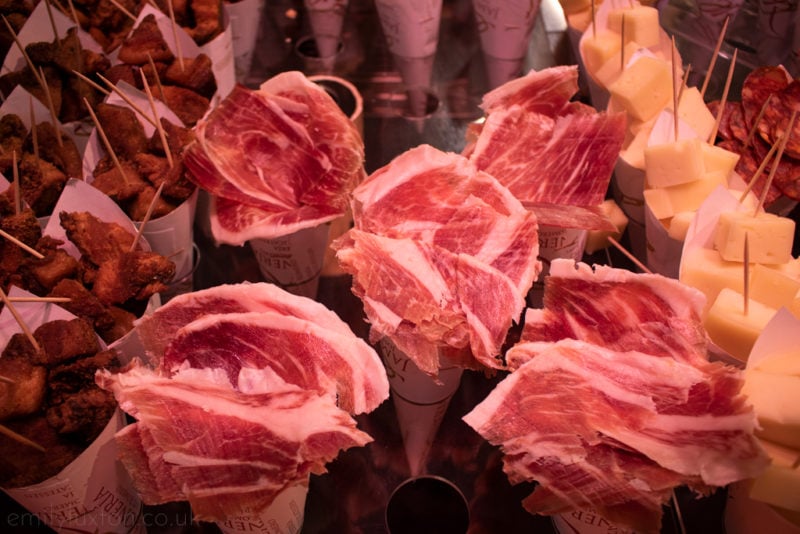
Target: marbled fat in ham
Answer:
pixel 616 431
pixel 282 157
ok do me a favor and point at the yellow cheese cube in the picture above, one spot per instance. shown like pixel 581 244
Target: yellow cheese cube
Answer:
pixel 599 48
pixel 778 486
pixel 679 225
pixel 633 153
pixel 675 163
pixel 613 67
pixel 791 268
pixel 657 200
pixel 770 237
pixel 693 111
pixel 644 88
pixel 733 330
pixel 580 20
pixel 786 363
pixel 772 287
pixel 641 24
pixel 775 399
pixel 598 239
pixel 705 270
pixel 716 158
pixel 689 196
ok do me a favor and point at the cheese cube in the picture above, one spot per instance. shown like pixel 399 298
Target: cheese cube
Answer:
pixel 779 484
pixel 689 196
pixel 791 268
pixel 644 88
pixel 770 237
pixel 675 163
pixel 599 48
pixel 705 270
pixel 613 67
pixel 633 153
pixel 641 24
pixel 580 20
pixel 598 239
pixel 679 225
pixel 716 158
pixel 783 363
pixel 775 399
pixel 772 287
pixel 733 330
pixel 657 200
pixel 693 111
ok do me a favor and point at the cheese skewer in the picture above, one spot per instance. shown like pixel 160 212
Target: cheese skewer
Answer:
pixel 784 140
pixel 713 61
pixel 746 268
pixel 724 99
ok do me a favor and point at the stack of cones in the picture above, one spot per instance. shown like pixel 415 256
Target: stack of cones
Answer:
pixel 326 18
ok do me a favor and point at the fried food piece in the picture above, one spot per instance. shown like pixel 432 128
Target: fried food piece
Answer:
pixel 195 73
pixel 156 169
pixel 132 275
pixel 145 39
pixel 123 323
pixel 208 20
pixel 120 187
pixel 124 131
pixel 64 340
pixel 66 156
pixel 12 136
pixel 98 241
pixel 108 23
pixel 42 183
pixel 187 105
pixel 122 72
pixel 26 395
pixel 137 210
pixel 44 274
pixel 24 226
pixel 83 303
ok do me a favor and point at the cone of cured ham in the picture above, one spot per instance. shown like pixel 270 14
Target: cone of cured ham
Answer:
pixel 613 402
pixel 411 29
pixel 442 256
pixel 91 492
pixel 279 163
pixel 245 391
pixel 505 30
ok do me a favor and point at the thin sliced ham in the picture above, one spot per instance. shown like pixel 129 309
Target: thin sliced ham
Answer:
pixel 285 153
pixel 616 431
pixel 546 91
pixel 228 452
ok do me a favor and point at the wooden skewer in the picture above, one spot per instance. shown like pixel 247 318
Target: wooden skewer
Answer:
pixel 39 299
pixel 684 81
pixel 74 13
pixel 25 55
pixel 52 22
pixel 714 57
pixel 594 21
pixel 724 98
pixel 124 10
pixel 160 127
pixel 106 142
pixel 21 245
pixel 127 100
pixel 630 256
pixel 7 380
pixel 674 91
pixel 155 74
pixel 622 44
pixel 53 114
pixel 759 171
pixel 20 321
pixel 784 141
pixel 746 274
pixel 22 439
pixel 178 51
pixel 755 122
pixel 678 514
pixel 91 82
pixel 147 216
pixel 17 184
pixel 35 138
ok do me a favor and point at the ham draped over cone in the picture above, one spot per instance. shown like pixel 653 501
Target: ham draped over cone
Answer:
pixel 554 155
pixel 247 391
pixel 275 160
pixel 442 256
pixel 603 420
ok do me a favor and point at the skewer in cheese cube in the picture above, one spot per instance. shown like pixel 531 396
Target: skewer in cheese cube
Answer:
pixel 598 239
pixel 772 287
pixel 716 158
pixel 599 48
pixel 675 163
pixel 641 24
pixel 613 67
pixel 770 237
pixel 733 330
pixel 689 196
pixel 693 110
pixel 644 88
pixel 679 225
pixel 704 270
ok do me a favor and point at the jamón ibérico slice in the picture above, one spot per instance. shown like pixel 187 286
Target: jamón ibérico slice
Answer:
pixel 229 452
pixel 281 149
pixel 546 91
pixel 619 309
pixel 616 431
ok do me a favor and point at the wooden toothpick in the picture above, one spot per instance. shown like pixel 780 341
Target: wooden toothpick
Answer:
pixel 17 184
pixel 124 10
pixel 784 140
pixel 40 299
pixel 20 244
pixel 147 216
pixel 178 51
pixel 146 116
pixel 754 128
pixel 746 274
pixel 759 171
pixel 724 99
pixel 714 57
pixel 20 321
pixel 630 256
pixel 53 114
pixel 159 127
pixel 106 142
pixel 674 92
pixel 20 438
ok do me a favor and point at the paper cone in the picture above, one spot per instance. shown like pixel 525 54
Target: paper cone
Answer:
pixel 245 23
pixel 585 522
pixel 420 402
pixel 505 30
pixel 293 262
pixel 350 101
pixel 326 18
pixel 91 494
pixel 627 187
pixel 314 62
pixel 663 252
pixel 285 515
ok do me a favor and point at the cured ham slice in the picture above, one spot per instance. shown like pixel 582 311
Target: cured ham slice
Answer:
pixel 252 450
pixel 620 310
pixel 442 256
pixel 617 431
pixel 547 91
pixel 282 157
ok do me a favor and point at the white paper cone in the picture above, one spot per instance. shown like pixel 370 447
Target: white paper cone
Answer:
pixel 585 522
pixel 411 27
pixel 326 18
pixel 293 262
pixel 663 252
pixel 284 516
pixel 627 187
pixel 420 402
pixel 557 242
pixel 744 515
pixel 220 51
pixel 500 71
pixel 505 30
pixel 417 73
pixel 245 23
pixel 314 62
pixel 91 494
